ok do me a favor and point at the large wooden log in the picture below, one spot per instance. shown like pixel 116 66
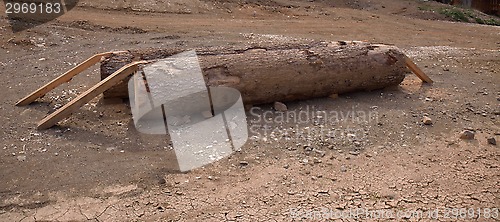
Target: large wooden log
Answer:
pixel 265 74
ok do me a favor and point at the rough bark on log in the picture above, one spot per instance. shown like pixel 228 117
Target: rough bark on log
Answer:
pixel 295 71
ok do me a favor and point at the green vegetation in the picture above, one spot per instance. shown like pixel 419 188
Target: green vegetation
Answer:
pixel 488 21
pixel 425 8
pixel 464 15
pixel 455 13
pixel 461 14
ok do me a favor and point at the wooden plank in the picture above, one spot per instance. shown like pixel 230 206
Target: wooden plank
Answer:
pixel 66 77
pixel 88 95
pixel 414 68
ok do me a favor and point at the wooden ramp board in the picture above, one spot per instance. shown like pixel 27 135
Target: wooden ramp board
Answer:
pixel 66 77
pixel 88 95
pixel 414 68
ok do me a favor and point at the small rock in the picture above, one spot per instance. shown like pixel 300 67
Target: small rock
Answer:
pixel 286 166
pixel 343 168
pixel 243 163
pixel 21 158
pixel 354 153
pixel 279 106
pixel 140 214
pixel 320 152
pixel 492 141
pixel 427 121
pixel 467 135
pixel 323 191
pixel 334 96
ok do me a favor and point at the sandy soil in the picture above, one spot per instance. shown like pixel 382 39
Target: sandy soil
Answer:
pixel 96 166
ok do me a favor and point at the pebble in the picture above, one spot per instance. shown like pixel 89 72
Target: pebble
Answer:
pixel 21 158
pixel 343 168
pixel 320 153
pixel 323 191
pixel 467 135
pixel 427 121
pixel 279 106
pixel 243 163
pixel 354 153
pixel 492 141
pixel 334 96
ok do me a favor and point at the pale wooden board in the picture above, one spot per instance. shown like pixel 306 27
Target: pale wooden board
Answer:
pixel 66 77
pixel 88 95
pixel 414 68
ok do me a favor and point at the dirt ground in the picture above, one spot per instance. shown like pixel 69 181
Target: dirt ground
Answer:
pixel 96 166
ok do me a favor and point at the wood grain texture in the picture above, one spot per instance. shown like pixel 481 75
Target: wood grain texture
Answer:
pixel 66 77
pixel 88 95
pixel 286 72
